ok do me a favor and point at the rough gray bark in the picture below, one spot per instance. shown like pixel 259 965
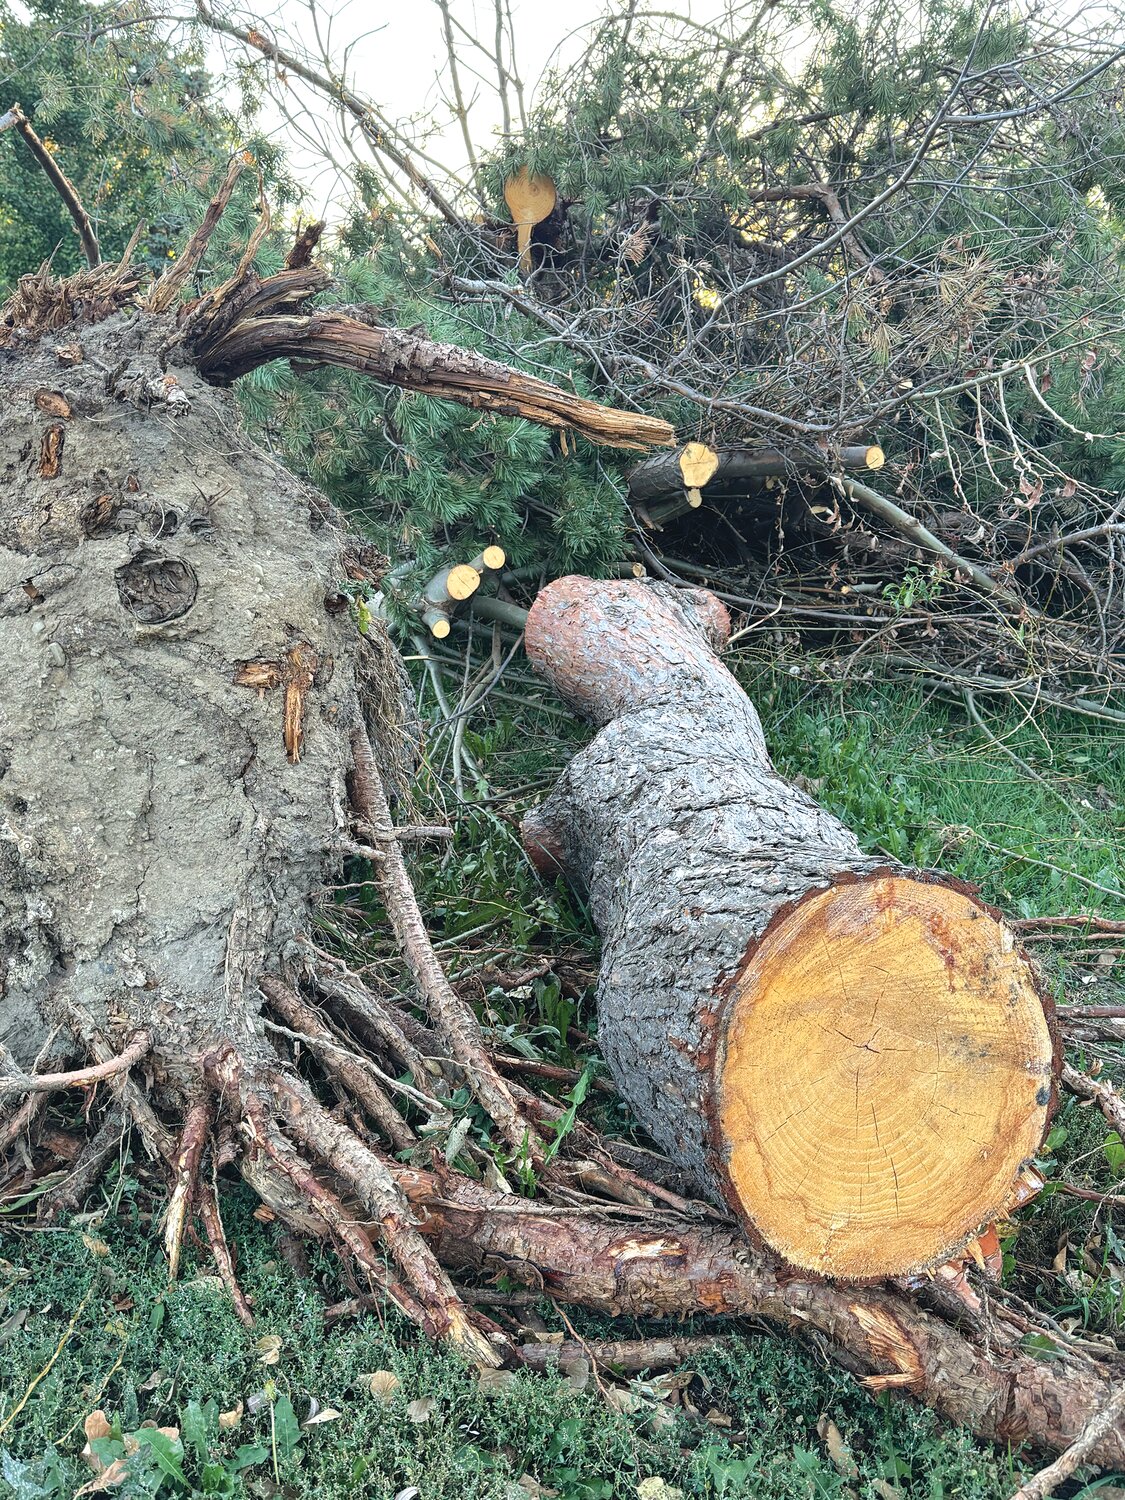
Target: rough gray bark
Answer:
pixel 687 841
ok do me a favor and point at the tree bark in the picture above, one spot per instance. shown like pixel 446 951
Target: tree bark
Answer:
pixel 653 478
pixel 678 1269
pixel 855 1057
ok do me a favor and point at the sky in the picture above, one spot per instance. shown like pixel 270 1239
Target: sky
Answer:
pixel 396 57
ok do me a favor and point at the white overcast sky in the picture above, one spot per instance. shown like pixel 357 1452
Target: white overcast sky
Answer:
pixel 396 58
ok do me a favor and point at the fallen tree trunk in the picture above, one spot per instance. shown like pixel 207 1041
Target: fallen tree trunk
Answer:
pixel 855 1057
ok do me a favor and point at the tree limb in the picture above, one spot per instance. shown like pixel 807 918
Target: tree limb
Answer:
pixel 59 181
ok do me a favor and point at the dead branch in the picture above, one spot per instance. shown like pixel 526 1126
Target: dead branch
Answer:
pixel 911 528
pixel 166 290
pixel 420 364
pixel 376 131
pixel 1108 1100
pixel 59 181
pixel 659 476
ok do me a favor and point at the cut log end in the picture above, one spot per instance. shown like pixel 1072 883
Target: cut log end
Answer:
pixel 884 1074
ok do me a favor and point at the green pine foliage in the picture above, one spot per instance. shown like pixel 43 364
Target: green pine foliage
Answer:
pixel 1004 248
pixel 427 479
pixel 132 117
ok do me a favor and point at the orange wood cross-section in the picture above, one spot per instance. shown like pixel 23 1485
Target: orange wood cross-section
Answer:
pixel 885 1076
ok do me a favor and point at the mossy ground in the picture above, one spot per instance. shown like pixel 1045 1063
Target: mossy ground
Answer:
pixel 91 1300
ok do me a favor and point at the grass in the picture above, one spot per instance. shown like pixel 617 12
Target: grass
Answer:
pixel 143 1351
pixel 914 779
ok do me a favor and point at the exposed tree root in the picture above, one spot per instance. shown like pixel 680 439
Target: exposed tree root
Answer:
pixel 207 1204
pixel 53 1083
pixel 623 1260
pixel 450 1014
pixel 348 1070
pixel 193 1138
pixel 1096 1432
pixel 88 1167
pixel 680 1269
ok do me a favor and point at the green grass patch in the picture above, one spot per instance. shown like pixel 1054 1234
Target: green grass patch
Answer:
pixel 176 1356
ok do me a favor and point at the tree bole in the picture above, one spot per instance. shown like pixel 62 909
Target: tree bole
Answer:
pixel 855 1057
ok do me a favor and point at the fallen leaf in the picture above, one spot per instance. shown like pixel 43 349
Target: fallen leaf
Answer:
pixel 94 1245
pixel 13 1323
pixel 269 1349
pixel 419 1410
pixel 531 1486
pixel 383 1385
pixel 660 1416
pixel 108 1479
pixel 495 1380
pixel 325 1414
pixel 654 1488
pixel 838 1450
pixel 54 403
pixel 229 1420
pixel 97 1425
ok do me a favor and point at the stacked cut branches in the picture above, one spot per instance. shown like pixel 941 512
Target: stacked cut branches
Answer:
pixel 835 275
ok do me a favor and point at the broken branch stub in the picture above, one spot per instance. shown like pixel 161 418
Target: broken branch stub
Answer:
pixel 530 199
pixel 854 1056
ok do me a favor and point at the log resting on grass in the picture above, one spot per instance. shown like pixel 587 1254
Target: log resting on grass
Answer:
pixel 855 1057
